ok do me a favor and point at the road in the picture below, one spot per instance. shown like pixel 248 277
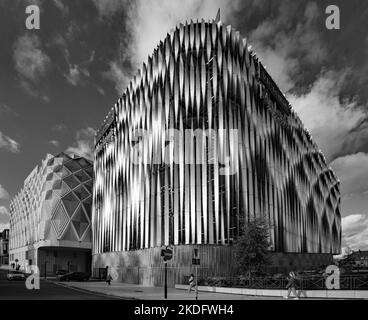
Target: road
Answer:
pixel 16 290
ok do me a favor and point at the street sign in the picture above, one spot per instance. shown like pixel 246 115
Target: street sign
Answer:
pixel 196 262
pixel 167 253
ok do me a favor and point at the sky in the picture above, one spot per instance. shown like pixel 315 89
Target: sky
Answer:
pixel 58 83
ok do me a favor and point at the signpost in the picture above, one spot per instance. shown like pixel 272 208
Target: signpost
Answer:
pixel 167 254
pixel 196 262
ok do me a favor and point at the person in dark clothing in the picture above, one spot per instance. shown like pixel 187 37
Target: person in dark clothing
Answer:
pixel 108 276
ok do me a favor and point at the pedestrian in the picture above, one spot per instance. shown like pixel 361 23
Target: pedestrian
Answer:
pixel 191 283
pixel 108 276
pixel 291 286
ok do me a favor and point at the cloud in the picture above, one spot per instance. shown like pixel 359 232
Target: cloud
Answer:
pixel 84 144
pixel 60 127
pixel 30 61
pixel 76 75
pixel 107 8
pixel 288 40
pixel 4 226
pixel 61 6
pixel 4 195
pixel 54 143
pixel 5 109
pixel 353 173
pixel 8 143
pixel 4 218
pixel 4 212
pixel 117 75
pixel 147 23
pixel 331 120
pixel 355 231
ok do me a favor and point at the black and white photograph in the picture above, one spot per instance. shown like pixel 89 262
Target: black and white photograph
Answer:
pixel 182 151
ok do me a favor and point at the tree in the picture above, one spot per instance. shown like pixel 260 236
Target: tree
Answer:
pixel 251 249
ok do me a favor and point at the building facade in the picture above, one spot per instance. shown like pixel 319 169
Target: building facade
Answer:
pixel 50 223
pixel 357 260
pixel 4 247
pixel 201 139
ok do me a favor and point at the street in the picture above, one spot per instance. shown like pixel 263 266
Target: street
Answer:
pixel 16 290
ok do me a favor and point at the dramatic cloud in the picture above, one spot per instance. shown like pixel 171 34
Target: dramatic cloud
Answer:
pixel 148 22
pixel 8 143
pixel 355 231
pixel 4 195
pixel 285 45
pixel 353 173
pixel 330 120
pixel 84 144
pixel 30 61
pixel 118 76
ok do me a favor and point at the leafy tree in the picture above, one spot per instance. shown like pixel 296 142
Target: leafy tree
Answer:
pixel 251 249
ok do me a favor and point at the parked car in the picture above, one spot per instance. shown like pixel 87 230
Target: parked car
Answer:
pixel 61 272
pixel 74 276
pixel 15 275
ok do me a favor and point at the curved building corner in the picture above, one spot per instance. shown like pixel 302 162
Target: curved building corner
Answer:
pixel 248 155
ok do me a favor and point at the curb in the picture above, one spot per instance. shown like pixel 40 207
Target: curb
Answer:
pixel 280 293
pixel 96 293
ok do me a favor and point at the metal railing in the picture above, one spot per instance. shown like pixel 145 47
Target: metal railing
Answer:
pixel 347 282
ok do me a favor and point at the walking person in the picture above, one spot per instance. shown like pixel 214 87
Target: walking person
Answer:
pixel 108 276
pixel 191 283
pixel 291 286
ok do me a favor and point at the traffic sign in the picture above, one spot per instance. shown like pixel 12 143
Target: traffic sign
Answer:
pixel 196 262
pixel 167 253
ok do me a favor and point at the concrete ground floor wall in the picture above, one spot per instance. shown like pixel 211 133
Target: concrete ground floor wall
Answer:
pixel 147 267
pixel 51 259
pixel 69 259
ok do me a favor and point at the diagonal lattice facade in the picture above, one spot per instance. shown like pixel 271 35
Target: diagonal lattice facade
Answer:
pixel 53 209
pixel 204 77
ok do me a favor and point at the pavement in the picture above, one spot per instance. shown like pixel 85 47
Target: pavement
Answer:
pixel 139 292
pixel 16 290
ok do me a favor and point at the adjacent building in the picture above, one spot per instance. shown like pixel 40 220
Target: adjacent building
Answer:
pixel 360 259
pixel 200 140
pixel 356 260
pixel 50 223
pixel 4 247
